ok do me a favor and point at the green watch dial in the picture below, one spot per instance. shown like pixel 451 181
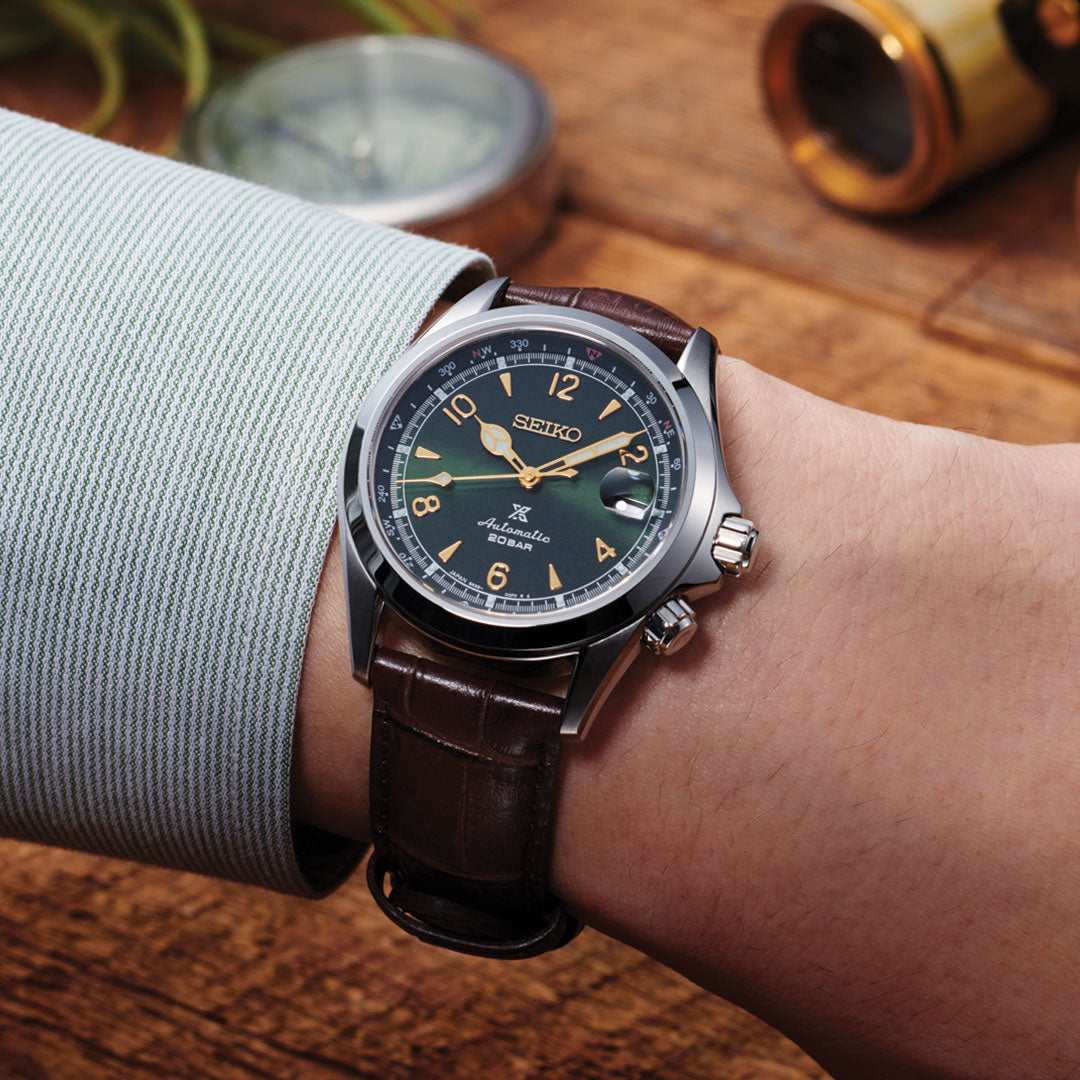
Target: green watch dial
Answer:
pixel 527 472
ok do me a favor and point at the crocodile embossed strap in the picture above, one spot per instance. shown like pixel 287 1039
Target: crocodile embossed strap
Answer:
pixel 463 768
pixel 666 331
pixel 463 775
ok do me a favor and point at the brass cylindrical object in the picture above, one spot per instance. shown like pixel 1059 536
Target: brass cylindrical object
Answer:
pixel 883 104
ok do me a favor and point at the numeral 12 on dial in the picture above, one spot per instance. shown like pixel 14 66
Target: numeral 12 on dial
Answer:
pixel 570 383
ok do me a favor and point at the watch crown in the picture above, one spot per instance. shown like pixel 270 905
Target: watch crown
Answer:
pixel 669 627
pixel 735 545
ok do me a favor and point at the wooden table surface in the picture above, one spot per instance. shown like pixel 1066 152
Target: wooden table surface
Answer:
pixel 967 317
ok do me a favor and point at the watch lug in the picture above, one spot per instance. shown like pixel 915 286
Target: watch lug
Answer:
pixel 482 298
pixel 598 669
pixel 365 609
pixel 698 365
pixel 706 588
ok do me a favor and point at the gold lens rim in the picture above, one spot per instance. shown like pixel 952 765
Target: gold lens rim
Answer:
pixel 841 177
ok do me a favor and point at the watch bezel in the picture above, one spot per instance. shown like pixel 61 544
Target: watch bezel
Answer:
pixel 509 636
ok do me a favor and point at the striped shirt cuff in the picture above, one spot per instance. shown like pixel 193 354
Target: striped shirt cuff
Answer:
pixel 181 356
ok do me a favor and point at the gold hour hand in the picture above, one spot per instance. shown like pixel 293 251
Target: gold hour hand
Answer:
pixel 496 440
pixel 597 449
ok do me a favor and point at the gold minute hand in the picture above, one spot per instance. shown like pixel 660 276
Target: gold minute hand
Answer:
pixel 603 446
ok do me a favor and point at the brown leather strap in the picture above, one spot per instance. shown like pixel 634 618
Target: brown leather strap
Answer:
pixel 463 768
pixel 666 331
pixel 463 775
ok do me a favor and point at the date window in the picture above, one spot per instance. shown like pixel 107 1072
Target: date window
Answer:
pixel 627 494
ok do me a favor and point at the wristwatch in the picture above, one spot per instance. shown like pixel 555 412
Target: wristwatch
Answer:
pixel 536 489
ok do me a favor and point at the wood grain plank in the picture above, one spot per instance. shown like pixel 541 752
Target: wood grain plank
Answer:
pixel 60 85
pixel 111 969
pixel 853 353
pixel 663 131
pixel 1026 301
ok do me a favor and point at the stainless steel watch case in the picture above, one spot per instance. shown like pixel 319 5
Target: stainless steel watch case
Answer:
pixel 599 639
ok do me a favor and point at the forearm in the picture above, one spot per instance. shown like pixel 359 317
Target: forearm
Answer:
pixel 857 802
pixel 850 803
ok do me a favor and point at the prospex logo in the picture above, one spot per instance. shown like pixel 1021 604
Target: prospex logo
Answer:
pixel 506 535
pixel 547 427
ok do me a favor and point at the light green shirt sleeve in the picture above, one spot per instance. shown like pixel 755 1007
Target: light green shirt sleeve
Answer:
pixel 181 356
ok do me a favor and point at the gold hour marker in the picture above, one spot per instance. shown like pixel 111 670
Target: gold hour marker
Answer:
pixel 429 455
pixel 446 552
pixel 504 378
pixel 612 406
pixel 553 578
pixel 603 551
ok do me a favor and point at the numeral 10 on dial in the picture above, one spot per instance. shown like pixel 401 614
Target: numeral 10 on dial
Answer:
pixel 463 407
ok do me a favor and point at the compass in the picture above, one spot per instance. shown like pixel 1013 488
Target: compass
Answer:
pixel 430 135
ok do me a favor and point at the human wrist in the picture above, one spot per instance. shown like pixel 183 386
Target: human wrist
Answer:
pixel 782 811
pixel 792 789
pixel 773 436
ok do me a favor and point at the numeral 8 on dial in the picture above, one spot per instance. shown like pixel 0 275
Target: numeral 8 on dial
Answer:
pixel 425 504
